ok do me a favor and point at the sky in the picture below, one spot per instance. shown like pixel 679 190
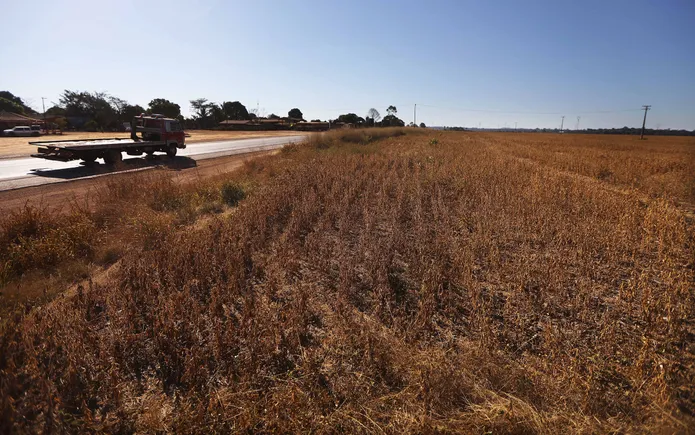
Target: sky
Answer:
pixel 483 63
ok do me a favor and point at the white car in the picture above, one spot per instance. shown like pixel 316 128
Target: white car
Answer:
pixel 21 131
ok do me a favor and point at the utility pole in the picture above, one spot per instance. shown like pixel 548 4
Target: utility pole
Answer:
pixel 45 126
pixel 644 121
pixel 576 127
pixel 415 115
pixel 562 125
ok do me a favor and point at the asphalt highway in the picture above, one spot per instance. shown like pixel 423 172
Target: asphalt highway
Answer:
pixel 30 171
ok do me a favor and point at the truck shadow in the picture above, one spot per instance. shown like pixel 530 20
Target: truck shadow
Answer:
pixel 176 163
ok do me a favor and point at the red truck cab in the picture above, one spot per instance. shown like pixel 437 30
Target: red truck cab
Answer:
pixel 158 128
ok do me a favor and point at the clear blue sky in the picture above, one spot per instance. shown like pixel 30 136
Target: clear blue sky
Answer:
pixel 541 59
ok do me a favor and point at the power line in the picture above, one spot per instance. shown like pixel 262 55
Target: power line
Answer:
pixel 461 109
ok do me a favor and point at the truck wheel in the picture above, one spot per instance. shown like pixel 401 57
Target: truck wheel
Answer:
pixel 113 157
pixel 171 151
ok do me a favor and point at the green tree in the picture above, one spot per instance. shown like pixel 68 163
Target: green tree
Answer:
pixel 164 107
pixel 124 110
pixel 235 110
pixel 296 114
pixel 7 95
pixel 422 125
pixel 128 112
pixel 216 113
pixel 392 121
pixel 55 111
pixel 10 106
pixel 201 107
pixel 95 106
pixel 273 116
pixel 391 110
pixel 12 97
pixel 351 118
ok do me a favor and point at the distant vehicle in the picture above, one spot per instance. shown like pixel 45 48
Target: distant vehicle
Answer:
pixel 158 133
pixel 21 131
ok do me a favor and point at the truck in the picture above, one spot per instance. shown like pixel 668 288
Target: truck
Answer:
pixel 157 134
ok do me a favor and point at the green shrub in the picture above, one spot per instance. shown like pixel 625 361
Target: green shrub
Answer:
pixel 91 125
pixel 232 193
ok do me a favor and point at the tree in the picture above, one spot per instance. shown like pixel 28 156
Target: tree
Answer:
pixel 55 111
pixel 351 118
pixel 128 112
pixel 11 106
pixel 296 114
pixel 392 121
pixel 273 116
pixel 10 96
pixel 23 108
pixel 164 107
pixel 235 110
pixel 422 125
pixel 85 106
pixel 391 110
pixel 217 113
pixel 117 103
pixel 124 110
pixel 374 114
pixel 316 120
pixel 202 107
pixel 203 111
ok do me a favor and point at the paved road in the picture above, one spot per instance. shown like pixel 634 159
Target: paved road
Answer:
pixel 25 172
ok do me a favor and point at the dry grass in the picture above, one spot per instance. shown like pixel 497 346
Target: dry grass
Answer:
pixel 404 285
pixel 19 146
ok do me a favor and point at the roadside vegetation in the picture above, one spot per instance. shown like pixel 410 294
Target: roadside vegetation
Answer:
pixel 367 281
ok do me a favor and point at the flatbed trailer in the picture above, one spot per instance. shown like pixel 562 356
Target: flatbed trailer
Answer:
pixel 159 134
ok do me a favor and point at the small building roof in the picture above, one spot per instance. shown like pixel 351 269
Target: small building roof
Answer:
pixel 235 122
pixel 16 117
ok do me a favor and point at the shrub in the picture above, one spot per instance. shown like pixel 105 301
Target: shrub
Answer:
pixel 91 125
pixel 32 238
pixel 232 193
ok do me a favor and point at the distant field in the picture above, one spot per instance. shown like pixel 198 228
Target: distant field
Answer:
pixel 367 281
pixel 19 146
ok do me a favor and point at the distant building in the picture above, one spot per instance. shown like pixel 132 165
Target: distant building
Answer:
pixel 10 119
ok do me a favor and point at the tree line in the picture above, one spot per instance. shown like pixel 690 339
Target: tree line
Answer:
pixel 102 111
pixel 374 119
pixel 94 111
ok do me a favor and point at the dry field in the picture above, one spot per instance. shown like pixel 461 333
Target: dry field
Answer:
pixel 418 283
pixel 19 146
